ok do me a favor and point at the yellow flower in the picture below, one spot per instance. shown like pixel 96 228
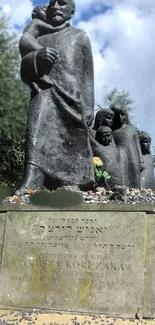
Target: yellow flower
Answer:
pixel 97 162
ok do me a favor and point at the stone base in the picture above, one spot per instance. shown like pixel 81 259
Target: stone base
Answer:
pixel 80 261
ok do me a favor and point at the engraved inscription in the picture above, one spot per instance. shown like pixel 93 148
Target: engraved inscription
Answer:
pixel 62 234
pixel 38 230
pixel 78 260
pixel 54 244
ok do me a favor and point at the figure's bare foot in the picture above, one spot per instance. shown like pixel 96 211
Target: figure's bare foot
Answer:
pixel 33 181
pixel 23 191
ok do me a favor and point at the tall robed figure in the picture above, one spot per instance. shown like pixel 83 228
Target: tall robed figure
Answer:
pixel 57 65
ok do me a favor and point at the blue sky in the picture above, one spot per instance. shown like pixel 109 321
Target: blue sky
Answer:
pixel 121 34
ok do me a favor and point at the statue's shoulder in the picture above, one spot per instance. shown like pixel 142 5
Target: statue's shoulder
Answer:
pixel 79 33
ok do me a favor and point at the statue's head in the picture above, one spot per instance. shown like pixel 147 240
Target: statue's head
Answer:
pixel 121 116
pixel 59 11
pixel 104 135
pixel 39 12
pixel 104 117
pixel 145 142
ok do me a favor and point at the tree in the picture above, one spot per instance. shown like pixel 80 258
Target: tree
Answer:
pixel 12 154
pixel 119 98
pixel 14 98
pixel 14 95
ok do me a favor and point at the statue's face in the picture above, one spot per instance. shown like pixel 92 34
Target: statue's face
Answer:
pixel 42 13
pixel 105 138
pixel 122 116
pixel 108 120
pixel 59 11
pixel 145 145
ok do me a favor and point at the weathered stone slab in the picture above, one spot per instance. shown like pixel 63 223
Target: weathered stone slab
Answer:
pixel 2 231
pixel 149 283
pixel 82 207
pixel 74 261
pixel 63 198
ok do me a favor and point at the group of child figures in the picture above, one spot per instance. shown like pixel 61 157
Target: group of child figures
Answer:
pixel 125 153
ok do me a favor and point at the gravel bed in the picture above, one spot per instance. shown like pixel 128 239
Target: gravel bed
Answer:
pixel 120 195
pixel 100 195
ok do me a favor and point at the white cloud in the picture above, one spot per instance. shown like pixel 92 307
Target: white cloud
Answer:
pixel 7 9
pixel 17 11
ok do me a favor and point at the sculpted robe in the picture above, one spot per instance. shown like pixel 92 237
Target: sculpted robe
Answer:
pixel 147 175
pixel 110 158
pixel 61 108
pixel 127 142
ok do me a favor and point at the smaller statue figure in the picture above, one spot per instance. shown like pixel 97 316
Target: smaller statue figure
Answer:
pixel 147 175
pixel 104 117
pixel 128 144
pixel 106 150
pixel 39 12
pixel 36 28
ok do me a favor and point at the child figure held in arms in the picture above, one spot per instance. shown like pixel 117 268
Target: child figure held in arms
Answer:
pixel 37 27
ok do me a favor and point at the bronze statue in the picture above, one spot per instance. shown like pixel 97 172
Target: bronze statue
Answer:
pixel 59 70
pixel 104 117
pixel 147 175
pixel 105 149
pixel 127 142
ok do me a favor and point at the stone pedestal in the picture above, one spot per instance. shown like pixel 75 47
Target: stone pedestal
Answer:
pixel 86 260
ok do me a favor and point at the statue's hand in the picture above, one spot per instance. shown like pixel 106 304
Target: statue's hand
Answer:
pixel 46 55
pixel 141 166
pixel 89 120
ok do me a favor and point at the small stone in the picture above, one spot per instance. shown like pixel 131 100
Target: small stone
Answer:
pixel 90 197
pixel 101 190
pixel 127 191
pixel 98 194
pixel 109 192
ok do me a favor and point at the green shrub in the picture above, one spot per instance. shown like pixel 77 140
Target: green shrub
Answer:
pixel 12 154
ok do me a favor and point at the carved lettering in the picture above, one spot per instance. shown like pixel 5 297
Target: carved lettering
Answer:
pixel 76 264
pixel 58 264
pixel 58 241
pixel 90 265
pixel 83 265
pixel 68 265
pixel 42 227
pixel 28 262
pixel 79 229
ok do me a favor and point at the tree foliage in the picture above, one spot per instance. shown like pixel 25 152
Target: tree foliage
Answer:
pixel 14 99
pixel 14 95
pixel 119 98
pixel 12 154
